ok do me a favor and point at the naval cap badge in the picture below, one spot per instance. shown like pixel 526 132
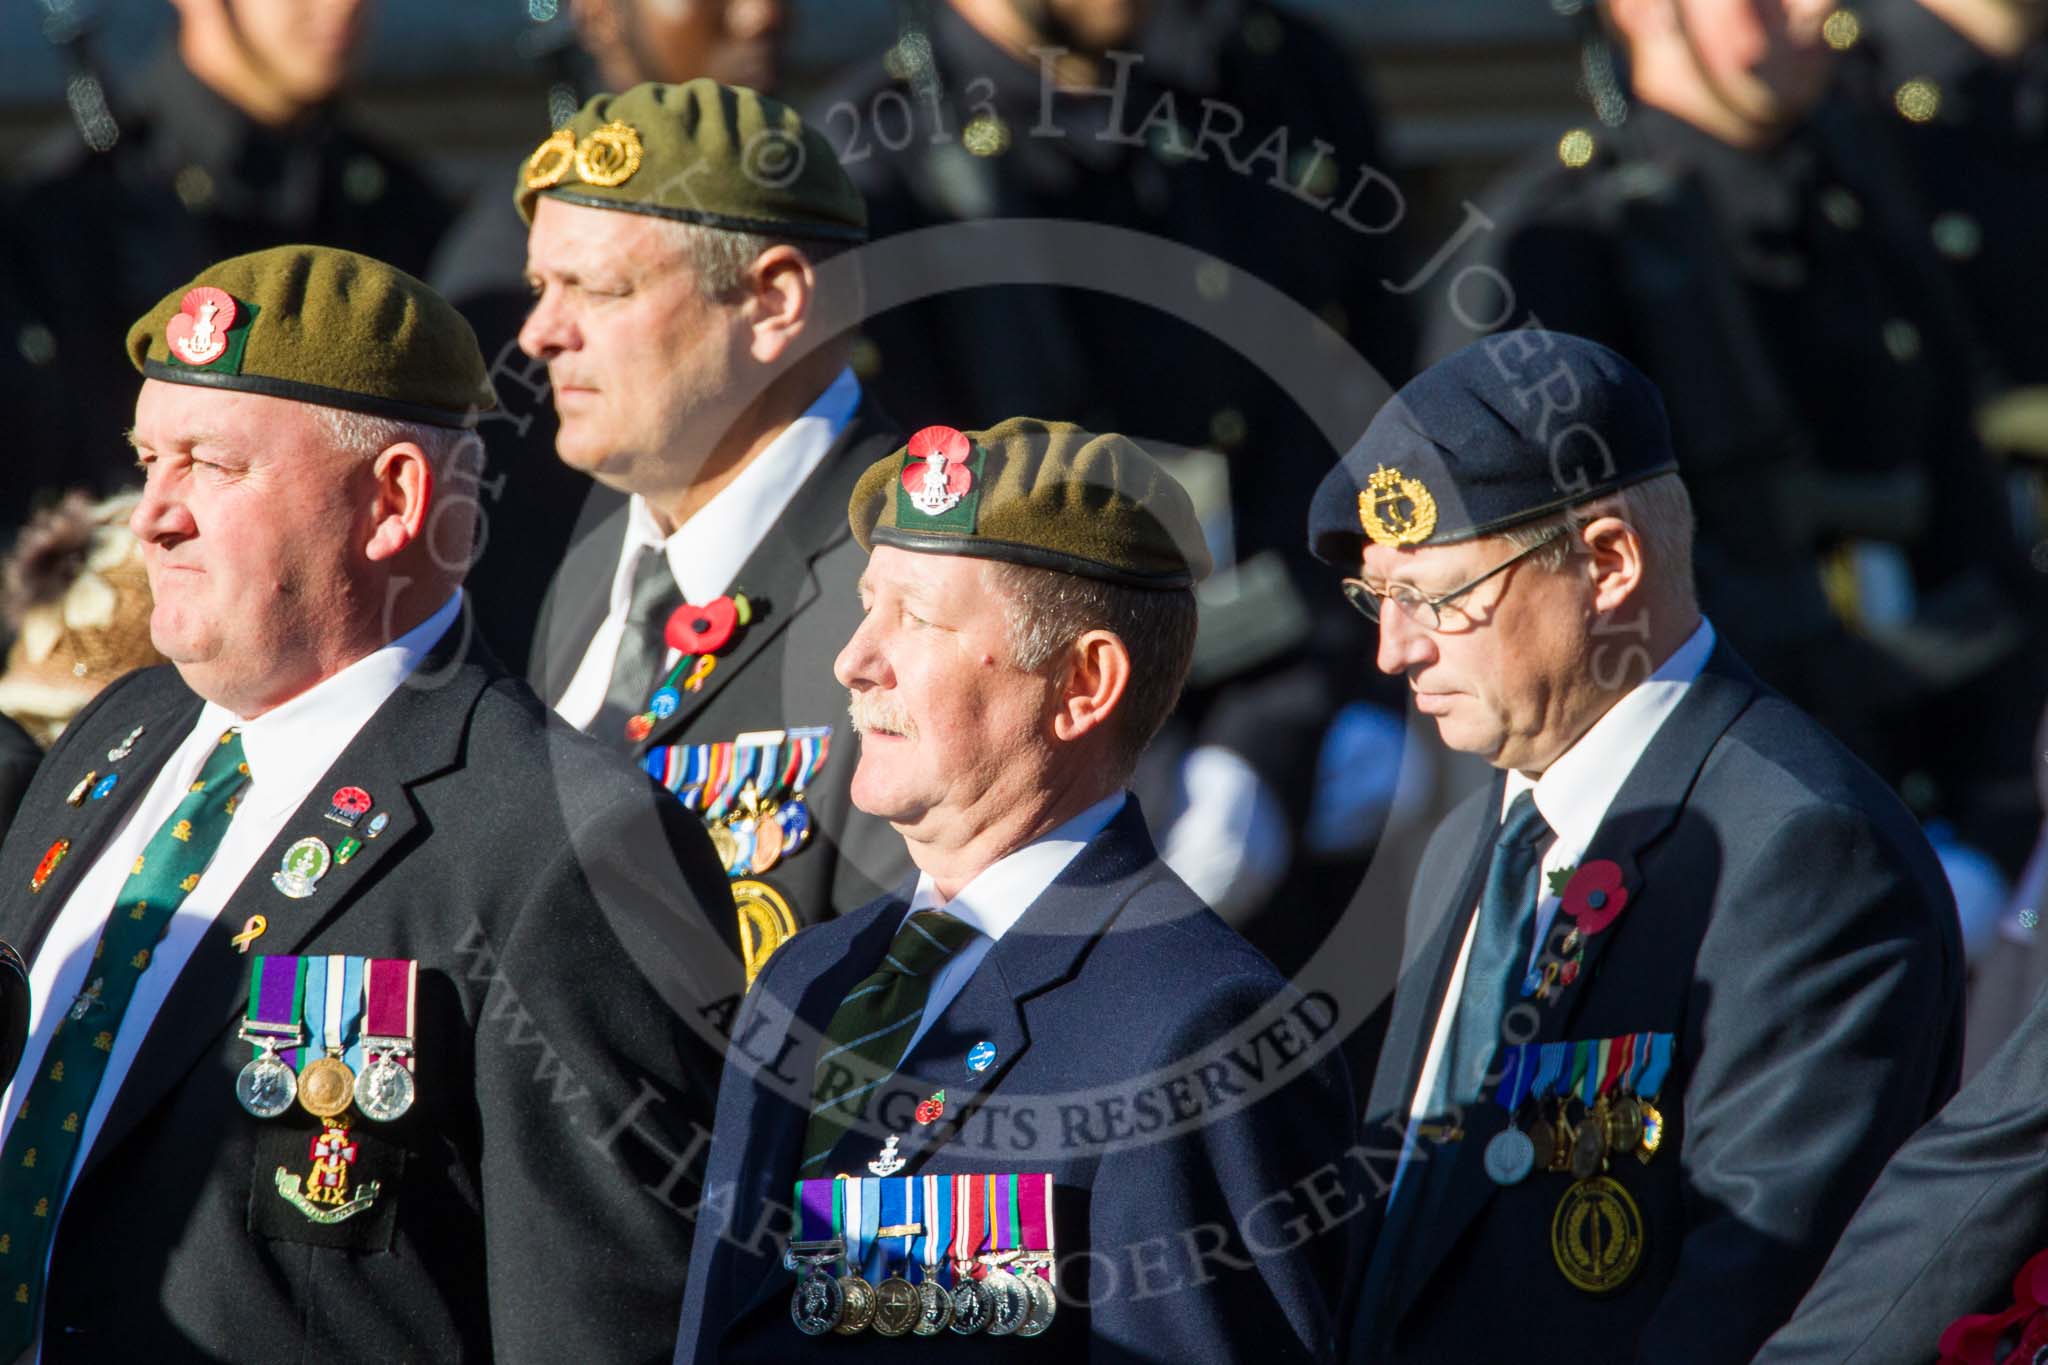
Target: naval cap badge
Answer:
pixel 1395 509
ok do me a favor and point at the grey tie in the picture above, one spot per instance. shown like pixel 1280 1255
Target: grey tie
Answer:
pixel 642 649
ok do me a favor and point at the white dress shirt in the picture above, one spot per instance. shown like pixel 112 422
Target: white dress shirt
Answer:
pixel 1572 796
pixel 287 749
pixel 706 551
pixel 997 898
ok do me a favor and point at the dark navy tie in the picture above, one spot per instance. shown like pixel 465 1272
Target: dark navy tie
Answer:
pixel 1500 952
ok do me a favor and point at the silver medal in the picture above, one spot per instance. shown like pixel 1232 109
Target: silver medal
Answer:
pixel 384 1090
pixel 1510 1157
pixel 973 1306
pixel 1044 1303
pixel 266 1086
pixel 817 1302
pixel 1011 1302
pixel 935 1311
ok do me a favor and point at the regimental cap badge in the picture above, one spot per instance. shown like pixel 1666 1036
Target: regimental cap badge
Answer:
pixel 938 476
pixel 551 160
pixel 1395 509
pixel 202 332
pixel 605 157
pixel 610 155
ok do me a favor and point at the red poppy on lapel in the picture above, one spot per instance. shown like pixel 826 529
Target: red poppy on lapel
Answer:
pixel 702 630
pixel 1594 896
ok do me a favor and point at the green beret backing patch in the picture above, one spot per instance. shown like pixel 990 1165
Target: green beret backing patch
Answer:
pixel 318 325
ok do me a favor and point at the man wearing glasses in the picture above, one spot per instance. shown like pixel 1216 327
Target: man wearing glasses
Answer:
pixel 1681 977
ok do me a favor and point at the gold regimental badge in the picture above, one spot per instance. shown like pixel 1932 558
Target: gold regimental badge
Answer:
pixel 551 160
pixel 609 156
pixel 765 923
pixel 1395 509
pixel 1596 1235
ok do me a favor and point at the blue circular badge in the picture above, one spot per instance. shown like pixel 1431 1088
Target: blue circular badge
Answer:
pixel 1531 982
pixel 795 819
pixel 1596 900
pixel 105 785
pixel 664 703
pixel 981 1056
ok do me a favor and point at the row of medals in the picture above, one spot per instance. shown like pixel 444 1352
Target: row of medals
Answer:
pixel 756 835
pixel 1613 1128
pixel 384 1091
pixel 1005 1303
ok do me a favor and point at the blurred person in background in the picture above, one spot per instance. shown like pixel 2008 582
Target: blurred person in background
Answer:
pixel 1962 86
pixel 234 138
pixel 1244 133
pixel 1748 242
pixel 75 597
pixel 531 515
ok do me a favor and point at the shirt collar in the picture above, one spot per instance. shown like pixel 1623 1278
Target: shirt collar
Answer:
pixel 287 748
pixel 707 551
pixel 998 897
pixel 1575 791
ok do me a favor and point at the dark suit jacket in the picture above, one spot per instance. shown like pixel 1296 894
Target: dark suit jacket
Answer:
pixel 801 580
pixel 1105 1003
pixel 1787 921
pixel 1959 1210
pixel 532 1198
pixel 20 755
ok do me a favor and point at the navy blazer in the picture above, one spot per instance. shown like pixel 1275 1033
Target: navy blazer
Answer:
pixel 1788 922
pixel 1948 1225
pixel 1178 1091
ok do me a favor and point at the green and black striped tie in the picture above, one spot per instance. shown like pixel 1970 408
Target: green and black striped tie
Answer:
pixel 36 1165
pixel 873 1025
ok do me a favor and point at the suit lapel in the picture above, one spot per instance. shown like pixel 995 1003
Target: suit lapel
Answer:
pixel 418 732
pixel 576 606
pixel 1419 999
pixel 807 1015
pixel 164 729
pixel 1647 805
pixel 777 577
pixel 1042 950
pixel 1646 808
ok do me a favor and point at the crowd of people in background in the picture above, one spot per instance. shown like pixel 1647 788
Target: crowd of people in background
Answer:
pixel 1812 227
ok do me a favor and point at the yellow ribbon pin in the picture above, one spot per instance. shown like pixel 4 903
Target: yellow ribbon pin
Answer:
pixel 251 931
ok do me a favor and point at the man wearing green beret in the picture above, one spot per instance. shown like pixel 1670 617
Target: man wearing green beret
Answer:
pixel 355 973
pixel 691 301
pixel 1029 1043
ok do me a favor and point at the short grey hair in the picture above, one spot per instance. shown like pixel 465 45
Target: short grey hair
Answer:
pixel 1659 509
pixel 720 258
pixel 456 455
pixel 1046 611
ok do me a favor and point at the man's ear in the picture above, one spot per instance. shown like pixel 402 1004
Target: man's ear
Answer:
pixel 403 491
pixel 1615 552
pixel 781 290
pixel 1098 672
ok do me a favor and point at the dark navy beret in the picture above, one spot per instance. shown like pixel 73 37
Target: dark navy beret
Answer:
pixel 1508 429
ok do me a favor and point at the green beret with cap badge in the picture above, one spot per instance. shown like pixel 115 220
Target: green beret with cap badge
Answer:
pixel 316 324
pixel 700 152
pixel 1045 494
